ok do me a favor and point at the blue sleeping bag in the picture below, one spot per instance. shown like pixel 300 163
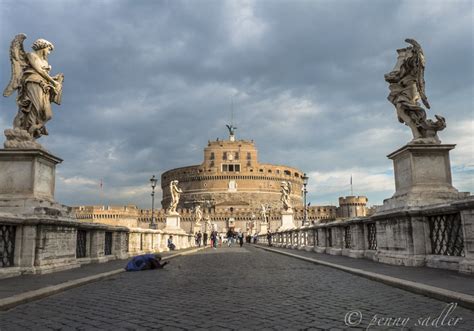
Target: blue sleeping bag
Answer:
pixel 140 262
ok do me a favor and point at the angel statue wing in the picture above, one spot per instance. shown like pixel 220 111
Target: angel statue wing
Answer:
pixel 420 70
pixel 290 188
pixel 19 61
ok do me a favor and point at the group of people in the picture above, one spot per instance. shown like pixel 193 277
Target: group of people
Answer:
pixel 251 239
pixel 214 239
pixel 232 236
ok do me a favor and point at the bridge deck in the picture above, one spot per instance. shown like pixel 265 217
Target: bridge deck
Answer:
pixel 229 288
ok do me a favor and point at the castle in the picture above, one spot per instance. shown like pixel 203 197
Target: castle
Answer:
pixel 230 185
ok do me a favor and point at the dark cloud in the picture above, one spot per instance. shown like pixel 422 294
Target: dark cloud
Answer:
pixel 149 82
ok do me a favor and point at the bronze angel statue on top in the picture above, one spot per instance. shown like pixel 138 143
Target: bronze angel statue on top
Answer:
pixel 36 91
pixel 407 87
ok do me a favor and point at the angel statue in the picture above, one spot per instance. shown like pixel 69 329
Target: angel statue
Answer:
pixel 263 213
pixel 407 87
pixel 231 129
pixel 197 215
pixel 175 194
pixel 208 224
pixel 285 195
pixel 36 90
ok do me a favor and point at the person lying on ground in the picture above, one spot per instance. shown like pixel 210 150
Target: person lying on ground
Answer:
pixel 145 262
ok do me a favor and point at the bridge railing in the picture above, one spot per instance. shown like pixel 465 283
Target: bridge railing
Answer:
pixel 439 236
pixel 42 244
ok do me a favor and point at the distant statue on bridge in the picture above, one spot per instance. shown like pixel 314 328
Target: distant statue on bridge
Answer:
pixel 30 77
pixel 263 213
pixel 175 194
pixel 197 215
pixel 285 196
pixel 407 87
pixel 208 225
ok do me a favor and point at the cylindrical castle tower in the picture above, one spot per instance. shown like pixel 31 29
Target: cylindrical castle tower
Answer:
pixel 352 206
pixel 231 174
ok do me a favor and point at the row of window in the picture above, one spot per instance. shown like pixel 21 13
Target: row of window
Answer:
pixel 230 156
pixel 236 168
pixel 231 167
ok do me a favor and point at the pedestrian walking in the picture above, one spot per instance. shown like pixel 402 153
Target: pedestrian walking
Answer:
pixel 199 238
pixel 269 238
pixel 241 239
pixel 214 239
pixel 230 237
pixel 204 238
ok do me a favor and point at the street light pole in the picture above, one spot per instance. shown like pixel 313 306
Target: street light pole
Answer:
pixel 305 214
pixel 153 182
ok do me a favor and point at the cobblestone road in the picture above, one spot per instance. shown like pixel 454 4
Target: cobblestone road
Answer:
pixel 231 288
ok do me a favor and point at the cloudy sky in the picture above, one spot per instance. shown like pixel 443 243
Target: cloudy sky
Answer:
pixel 148 83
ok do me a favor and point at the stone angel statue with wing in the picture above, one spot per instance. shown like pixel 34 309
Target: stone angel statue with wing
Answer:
pixel 263 213
pixel 197 215
pixel 37 89
pixel 286 188
pixel 407 87
pixel 175 195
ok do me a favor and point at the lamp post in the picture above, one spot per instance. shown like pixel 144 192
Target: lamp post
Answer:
pixel 252 225
pixel 153 182
pixel 305 182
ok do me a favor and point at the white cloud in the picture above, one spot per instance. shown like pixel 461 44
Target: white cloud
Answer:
pixel 462 133
pixel 244 26
pixel 77 181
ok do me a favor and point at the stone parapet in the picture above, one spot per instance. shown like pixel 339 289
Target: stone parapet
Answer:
pixel 438 236
pixel 37 244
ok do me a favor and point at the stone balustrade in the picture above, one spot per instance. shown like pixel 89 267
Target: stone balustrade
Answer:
pixel 439 236
pixel 38 244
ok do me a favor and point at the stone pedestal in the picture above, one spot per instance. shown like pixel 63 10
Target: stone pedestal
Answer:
pixel 263 228
pixel 287 221
pixel 27 181
pixel 422 177
pixel 173 223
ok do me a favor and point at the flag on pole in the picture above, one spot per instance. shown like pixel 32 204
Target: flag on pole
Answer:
pixel 352 193
pixel 101 184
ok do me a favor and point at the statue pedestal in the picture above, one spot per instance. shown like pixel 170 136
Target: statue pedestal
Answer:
pixel 173 223
pixel 263 228
pixel 422 177
pixel 27 181
pixel 287 221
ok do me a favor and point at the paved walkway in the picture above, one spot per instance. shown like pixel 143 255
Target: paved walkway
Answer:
pixel 234 288
pixel 17 285
pixel 445 279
